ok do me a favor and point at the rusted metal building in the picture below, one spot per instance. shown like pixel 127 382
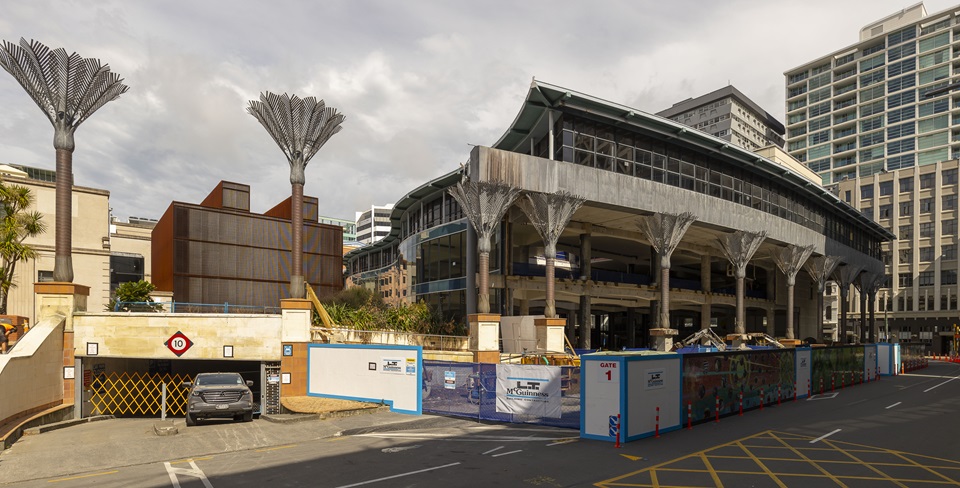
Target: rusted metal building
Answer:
pixel 218 252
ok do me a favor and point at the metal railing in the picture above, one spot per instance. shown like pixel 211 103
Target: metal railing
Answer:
pixel 434 342
pixel 186 307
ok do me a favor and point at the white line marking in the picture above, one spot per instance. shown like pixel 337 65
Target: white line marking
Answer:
pixel 894 405
pixel 824 436
pixel 505 453
pixel 194 471
pixel 454 438
pixel 491 450
pixel 941 384
pixel 398 475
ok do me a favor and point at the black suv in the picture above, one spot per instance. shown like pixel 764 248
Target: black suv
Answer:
pixel 219 395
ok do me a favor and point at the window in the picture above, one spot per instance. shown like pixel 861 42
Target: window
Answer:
pixel 948 277
pixel 926 253
pixel 872 49
pixel 926 205
pixel 949 176
pixel 871 94
pixel 871 139
pixel 902 35
pixel 932 140
pixel 870 124
pixel 928 60
pixel 905 113
pixel 871 63
pixel 820 95
pixel 886 188
pixel 933 107
pixel 900 130
pixel 906 184
pixel 819 137
pixel 906 232
pixel 906 209
pixel 903 98
pixel 906 256
pixel 949 251
pixel 926 229
pixel 817 124
pixel 867 213
pixel 905 66
pixel 886 211
pixel 931 43
pixel 949 202
pixel 871 109
pixel 949 227
pixel 869 79
pixel 931 75
pixel 843 60
pixel 44 276
pixel 900 146
pixel 931 124
pixel 943 24
pixel 899 162
pixel 925 278
pixel 901 83
pixel 927 180
pixel 871 154
pixel 821 109
pixel 932 157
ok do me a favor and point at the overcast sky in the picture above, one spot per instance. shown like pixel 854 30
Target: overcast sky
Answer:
pixel 418 81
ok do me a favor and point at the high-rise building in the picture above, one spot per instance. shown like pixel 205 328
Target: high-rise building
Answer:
pixel 373 224
pixel 879 121
pixel 349 227
pixel 728 114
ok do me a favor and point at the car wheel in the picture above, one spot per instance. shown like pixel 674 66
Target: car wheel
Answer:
pixel 191 420
pixel 248 417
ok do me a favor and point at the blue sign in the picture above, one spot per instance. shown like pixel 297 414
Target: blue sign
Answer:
pixel 614 425
pixel 288 349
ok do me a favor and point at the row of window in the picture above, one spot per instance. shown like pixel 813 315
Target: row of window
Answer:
pixel 927 181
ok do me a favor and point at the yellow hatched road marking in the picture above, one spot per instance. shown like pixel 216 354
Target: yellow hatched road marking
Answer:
pixel 82 476
pixel 812 462
pixel 905 458
pixel 763 466
pixel 868 465
pixel 713 473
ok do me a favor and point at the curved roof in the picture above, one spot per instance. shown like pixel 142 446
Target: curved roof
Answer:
pixel 543 97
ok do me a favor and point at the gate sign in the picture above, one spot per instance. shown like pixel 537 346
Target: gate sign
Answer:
pixel 178 343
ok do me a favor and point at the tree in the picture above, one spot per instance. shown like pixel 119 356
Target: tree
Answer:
pixel 68 89
pixel 300 128
pixel 134 296
pixel 17 223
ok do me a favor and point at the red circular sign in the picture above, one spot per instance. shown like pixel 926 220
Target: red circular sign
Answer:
pixel 178 343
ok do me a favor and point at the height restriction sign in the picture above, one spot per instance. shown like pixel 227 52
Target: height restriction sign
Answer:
pixel 178 343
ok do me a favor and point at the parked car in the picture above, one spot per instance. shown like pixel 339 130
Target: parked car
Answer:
pixel 219 395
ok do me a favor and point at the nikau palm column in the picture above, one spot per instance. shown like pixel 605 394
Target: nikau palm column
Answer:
pixel 664 231
pixel 68 89
pixel 863 285
pixel 739 248
pixel 300 127
pixel 790 259
pixel 550 213
pixel 484 204
pixel 846 275
pixel 820 269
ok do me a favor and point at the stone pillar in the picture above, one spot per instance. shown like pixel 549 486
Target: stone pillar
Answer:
pixel 59 299
pixel 739 247
pixel 586 322
pixel 295 324
pixel 550 335
pixel 485 337
pixel 663 339
pixel 790 259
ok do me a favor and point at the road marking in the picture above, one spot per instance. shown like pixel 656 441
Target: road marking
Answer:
pixel 894 405
pixel 194 472
pixel 275 448
pixel 941 384
pixel 453 438
pixel 505 453
pixel 491 450
pixel 398 475
pixel 191 459
pixel 82 476
pixel 632 458
pixel 564 441
pixel 824 396
pixel 824 436
pixel 388 450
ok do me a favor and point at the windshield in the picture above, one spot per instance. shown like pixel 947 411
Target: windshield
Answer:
pixel 220 379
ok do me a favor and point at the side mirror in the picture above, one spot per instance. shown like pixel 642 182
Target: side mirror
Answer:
pixel 187 384
pixel 249 383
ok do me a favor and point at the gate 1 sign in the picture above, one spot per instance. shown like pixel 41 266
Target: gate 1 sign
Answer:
pixel 608 372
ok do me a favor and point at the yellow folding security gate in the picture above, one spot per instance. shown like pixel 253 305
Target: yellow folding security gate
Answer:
pixel 138 394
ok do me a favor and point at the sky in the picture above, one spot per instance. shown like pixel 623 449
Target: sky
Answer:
pixel 418 81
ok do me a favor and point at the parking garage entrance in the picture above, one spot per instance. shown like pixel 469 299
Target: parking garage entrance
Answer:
pixel 133 387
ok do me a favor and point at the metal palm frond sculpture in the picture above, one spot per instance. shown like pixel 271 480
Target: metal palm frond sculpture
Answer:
pixel 484 204
pixel 790 259
pixel 68 89
pixel 549 213
pixel 300 127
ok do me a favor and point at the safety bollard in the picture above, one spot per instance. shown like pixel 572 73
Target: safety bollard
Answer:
pixel 689 416
pixel 808 388
pixel 761 399
pixel 821 385
pixel 617 445
pixel 794 391
pixel 861 376
pixel 657 431
pixel 832 381
pixel 778 394
pixel 716 408
pixel 741 404
pixel 843 379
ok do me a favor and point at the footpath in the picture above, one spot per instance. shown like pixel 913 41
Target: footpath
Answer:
pixel 106 444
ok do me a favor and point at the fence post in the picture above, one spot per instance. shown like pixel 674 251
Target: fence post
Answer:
pixel 163 401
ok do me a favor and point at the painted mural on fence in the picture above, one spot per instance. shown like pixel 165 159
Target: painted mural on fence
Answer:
pixel 721 377
pixel 834 367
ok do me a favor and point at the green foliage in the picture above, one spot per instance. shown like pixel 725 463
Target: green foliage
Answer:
pixel 134 296
pixel 362 309
pixel 17 223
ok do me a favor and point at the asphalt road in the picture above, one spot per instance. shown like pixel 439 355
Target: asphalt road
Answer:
pixel 900 431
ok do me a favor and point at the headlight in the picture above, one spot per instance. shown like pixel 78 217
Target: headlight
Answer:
pixel 195 393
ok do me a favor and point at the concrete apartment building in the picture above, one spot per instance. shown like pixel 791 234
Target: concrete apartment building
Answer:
pixel 880 123
pixel 374 224
pixel 728 114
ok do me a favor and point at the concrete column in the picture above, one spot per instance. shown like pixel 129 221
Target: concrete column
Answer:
pixel 771 326
pixel 632 318
pixel 846 275
pixel 59 299
pixel 664 231
pixel 705 273
pixel 820 268
pixel 790 259
pixel 524 306
pixel 586 253
pixel 586 322
pixel 739 247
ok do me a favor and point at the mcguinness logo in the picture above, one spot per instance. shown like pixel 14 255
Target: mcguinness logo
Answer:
pixel 530 389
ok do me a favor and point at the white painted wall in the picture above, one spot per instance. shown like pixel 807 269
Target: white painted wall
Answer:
pixel 38 354
pixel 357 372
pixel 652 383
pixel 600 379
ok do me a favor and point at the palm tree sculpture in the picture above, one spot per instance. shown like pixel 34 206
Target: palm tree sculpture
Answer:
pixel 69 89
pixel 300 127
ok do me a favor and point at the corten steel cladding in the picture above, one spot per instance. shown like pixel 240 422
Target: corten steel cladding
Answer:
pixel 68 89
pixel 730 376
